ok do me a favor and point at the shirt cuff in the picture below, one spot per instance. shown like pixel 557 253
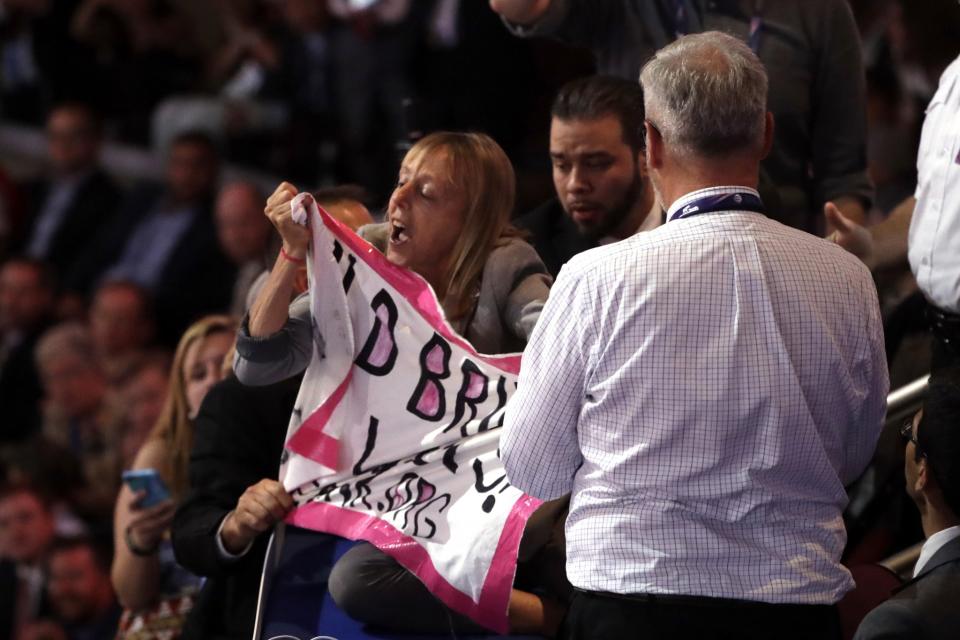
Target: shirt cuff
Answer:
pixel 222 550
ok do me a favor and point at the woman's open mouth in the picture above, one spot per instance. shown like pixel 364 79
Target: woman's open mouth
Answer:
pixel 398 233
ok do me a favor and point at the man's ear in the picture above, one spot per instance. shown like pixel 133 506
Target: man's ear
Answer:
pixel 768 129
pixel 641 159
pixel 923 476
pixel 655 148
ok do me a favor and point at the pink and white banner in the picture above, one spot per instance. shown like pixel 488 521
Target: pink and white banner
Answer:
pixel 395 432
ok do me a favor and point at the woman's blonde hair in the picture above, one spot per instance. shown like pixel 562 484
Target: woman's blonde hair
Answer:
pixel 174 427
pixel 477 165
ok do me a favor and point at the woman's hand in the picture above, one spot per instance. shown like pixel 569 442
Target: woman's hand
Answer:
pixel 147 525
pixel 296 238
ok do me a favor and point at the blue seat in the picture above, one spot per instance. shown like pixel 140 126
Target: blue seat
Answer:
pixel 299 605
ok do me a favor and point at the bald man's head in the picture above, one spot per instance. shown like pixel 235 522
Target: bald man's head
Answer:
pixel 345 203
pixel 242 228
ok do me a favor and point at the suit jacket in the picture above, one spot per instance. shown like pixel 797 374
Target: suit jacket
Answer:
pixel 238 440
pixel 9 586
pixel 553 234
pixel 20 389
pixel 195 280
pixel 925 608
pixel 93 207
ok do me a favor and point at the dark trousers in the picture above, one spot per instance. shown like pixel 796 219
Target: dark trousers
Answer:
pixel 602 616
pixel 373 588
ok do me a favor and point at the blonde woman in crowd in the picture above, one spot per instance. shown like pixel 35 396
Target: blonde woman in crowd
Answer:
pixel 144 572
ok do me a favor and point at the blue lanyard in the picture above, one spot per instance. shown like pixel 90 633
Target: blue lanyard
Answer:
pixel 739 201
pixel 681 23
pixel 756 26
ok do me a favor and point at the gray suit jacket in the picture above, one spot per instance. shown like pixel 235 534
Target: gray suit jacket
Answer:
pixel 513 289
pixel 926 608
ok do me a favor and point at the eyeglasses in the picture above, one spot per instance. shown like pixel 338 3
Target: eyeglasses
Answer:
pixel 907 433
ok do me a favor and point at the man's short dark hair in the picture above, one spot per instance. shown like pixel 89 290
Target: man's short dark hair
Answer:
pixel 92 117
pixel 100 548
pixel 328 196
pixel 46 277
pixel 16 487
pixel 595 97
pixel 199 138
pixel 142 295
pixel 938 434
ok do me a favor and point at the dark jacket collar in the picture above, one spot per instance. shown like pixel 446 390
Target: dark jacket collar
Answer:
pixel 947 554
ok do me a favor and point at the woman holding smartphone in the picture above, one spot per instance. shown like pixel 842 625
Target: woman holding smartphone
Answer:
pixel 144 572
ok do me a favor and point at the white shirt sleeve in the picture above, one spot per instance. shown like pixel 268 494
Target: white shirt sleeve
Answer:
pixel 873 384
pixel 222 550
pixel 539 446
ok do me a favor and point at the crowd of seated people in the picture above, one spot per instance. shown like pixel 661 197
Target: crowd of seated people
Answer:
pixel 122 304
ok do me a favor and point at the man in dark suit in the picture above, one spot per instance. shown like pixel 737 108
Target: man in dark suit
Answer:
pixel 67 208
pixel 79 589
pixel 927 607
pixel 599 171
pixel 222 527
pixel 26 311
pixel 26 534
pixel 165 241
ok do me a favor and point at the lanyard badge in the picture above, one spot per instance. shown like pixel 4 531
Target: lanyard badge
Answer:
pixel 739 201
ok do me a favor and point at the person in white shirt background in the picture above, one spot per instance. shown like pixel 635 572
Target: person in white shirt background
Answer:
pixel 926 227
pixel 704 390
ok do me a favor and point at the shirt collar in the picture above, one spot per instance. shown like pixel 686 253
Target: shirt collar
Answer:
pixel 31 574
pixel 933 544
pixel 651 221
pixel 683 201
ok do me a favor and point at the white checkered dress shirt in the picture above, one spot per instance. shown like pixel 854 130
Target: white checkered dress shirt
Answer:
pixel 704 391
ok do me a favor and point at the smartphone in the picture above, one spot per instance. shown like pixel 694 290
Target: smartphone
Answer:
pixel 147 480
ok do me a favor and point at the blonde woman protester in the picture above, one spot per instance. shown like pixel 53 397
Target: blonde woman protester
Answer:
pixel 447 220
pixel 144 572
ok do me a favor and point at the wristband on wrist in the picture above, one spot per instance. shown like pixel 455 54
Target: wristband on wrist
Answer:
pixel 134 549
pixel 289 257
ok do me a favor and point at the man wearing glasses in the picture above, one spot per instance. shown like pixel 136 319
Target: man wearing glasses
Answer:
pixel 927 606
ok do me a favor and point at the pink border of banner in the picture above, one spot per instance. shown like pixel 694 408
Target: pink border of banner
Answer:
pixel 311 442
pixel 491 610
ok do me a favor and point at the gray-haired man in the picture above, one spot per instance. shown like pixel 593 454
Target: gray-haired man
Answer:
pixel 704 390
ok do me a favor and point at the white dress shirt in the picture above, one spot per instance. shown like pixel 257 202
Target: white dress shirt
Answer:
pixel 705 390
pixel 934 241
pixel 933 544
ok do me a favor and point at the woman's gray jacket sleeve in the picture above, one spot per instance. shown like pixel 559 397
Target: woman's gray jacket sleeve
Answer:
pixel 270 359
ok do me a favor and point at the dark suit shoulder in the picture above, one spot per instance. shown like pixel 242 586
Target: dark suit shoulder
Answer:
pixel 248 421
pixel 926 607
pixel 553 234
pixel 892 620
pixel 239 435
pixel 101 182
pixel 543 219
